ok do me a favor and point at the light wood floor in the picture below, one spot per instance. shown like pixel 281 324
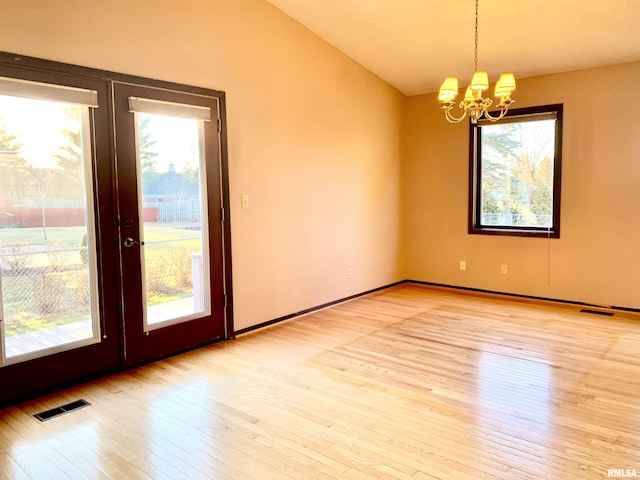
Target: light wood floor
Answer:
pixel 408 383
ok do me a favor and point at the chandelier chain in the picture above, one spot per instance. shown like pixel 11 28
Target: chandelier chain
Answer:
pixel 475 57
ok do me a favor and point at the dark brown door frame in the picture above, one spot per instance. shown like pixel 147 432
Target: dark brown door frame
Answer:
pixel 157 343
pixel 17 380
pixel 35 377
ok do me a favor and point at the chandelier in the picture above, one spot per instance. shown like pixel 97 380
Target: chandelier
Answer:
pixel 474 104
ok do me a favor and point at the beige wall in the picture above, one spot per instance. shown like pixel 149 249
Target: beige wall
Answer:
pixel 314 139
pixel 597 258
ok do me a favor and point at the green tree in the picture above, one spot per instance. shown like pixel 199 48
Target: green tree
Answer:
pixel 9 140
pixel 148 154
pixel 498 150
pixel 69 181
pixel 489 203
pixel 190 173
pixel 542 201
pixel 14 172
pixel 500 139
pixel 514 197
pixel 542 196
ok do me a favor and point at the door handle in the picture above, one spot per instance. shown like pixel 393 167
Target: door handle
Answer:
pixel 130 242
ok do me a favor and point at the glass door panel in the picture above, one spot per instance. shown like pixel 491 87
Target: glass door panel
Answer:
pixel 175 250
pixel 170 227
pixel 48 297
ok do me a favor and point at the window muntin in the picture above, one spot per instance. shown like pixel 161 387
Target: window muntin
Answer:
pixel 515 173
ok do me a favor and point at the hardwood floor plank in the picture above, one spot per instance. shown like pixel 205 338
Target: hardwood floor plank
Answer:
pixel 408 383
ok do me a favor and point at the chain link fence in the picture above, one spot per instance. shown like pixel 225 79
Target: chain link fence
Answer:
pixel 168 267
pixel 43 286
pixel 516 220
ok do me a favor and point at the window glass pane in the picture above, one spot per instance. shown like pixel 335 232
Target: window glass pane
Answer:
pixel 516 166
pixel 517 173
pixel 174 254
pixel 47 261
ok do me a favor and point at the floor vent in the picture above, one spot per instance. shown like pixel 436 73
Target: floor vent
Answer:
pixel 597 312
pixel 56 412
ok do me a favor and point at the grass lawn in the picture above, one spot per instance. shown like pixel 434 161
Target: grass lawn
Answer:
pixel 56 236
pixel 34 324
pixel 167 257
pixel 72 236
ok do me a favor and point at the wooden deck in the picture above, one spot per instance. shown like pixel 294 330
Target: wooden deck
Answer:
pixel 409 383
pixel 39 340
pixel 24 343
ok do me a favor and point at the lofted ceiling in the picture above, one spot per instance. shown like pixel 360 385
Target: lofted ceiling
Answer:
pixel 414 44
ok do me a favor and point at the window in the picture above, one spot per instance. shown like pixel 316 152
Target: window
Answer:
pixel 515 167
pixel 48 266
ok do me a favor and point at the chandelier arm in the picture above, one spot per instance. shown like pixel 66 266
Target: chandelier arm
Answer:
pixel 453 119
pixel 503 112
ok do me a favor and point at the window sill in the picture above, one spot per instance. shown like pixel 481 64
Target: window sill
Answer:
pixel 514 232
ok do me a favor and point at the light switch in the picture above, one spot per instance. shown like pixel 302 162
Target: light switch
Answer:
pixel 244 201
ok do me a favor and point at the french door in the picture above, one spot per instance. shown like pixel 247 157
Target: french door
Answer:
pixel 111 233
pixel 170 221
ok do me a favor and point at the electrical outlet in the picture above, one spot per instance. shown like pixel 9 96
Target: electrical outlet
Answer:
pixel 463 265
pixel 504 269
pixel 349 273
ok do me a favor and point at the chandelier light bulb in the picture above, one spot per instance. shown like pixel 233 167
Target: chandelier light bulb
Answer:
pixel 480 81
pixel 448 90
pixel 506 84
pixel 468 95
